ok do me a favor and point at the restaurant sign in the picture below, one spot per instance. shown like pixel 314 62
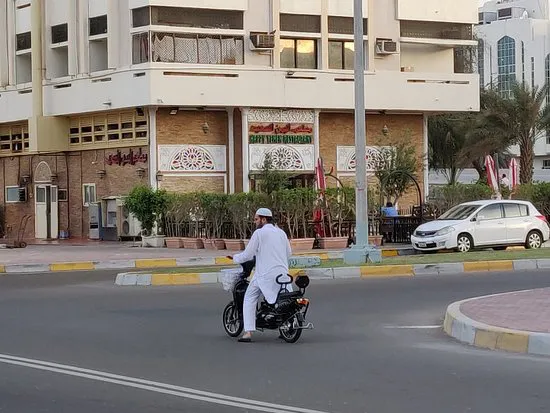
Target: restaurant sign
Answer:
pixel 280 133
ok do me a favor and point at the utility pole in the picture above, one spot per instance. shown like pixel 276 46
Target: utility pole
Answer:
pixel 361 251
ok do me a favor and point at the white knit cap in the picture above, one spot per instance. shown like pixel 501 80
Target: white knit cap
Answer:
pixel 264 212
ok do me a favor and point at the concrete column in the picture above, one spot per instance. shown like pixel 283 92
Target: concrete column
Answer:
pixel 10 38
pixel 324 35
pixel 153 149
pixel 83 46
pixel 73 31
pixel 316 136
pixel 246 159
pixel 276 26
pixel 231 149
pixel 113 39
pixel 37 71
pixel 4 67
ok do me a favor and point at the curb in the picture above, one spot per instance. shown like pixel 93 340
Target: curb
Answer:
pixel 149 263
pixel 364 272
pixel 477 334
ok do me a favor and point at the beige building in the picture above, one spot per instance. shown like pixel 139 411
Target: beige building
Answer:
pixel 99 95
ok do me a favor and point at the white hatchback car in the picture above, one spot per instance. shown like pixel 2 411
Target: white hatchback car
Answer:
pixel 484 224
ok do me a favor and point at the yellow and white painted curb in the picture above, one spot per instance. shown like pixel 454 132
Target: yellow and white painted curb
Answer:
pixel 477 334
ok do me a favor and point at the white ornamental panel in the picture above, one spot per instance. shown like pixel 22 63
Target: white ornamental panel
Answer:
pixel 279 115
pixel 347 161
pixel 283 157
pixel 192 158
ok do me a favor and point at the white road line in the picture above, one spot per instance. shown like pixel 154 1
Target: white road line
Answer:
pixel 153 386
pixel 414 327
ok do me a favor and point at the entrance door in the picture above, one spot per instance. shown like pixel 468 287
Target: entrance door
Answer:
pixel 46 212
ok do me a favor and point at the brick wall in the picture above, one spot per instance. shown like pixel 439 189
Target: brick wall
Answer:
pixel 186 127
pixel 72 169
pixel 338 129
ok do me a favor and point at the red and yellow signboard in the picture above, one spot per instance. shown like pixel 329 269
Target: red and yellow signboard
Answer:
pixel 280 133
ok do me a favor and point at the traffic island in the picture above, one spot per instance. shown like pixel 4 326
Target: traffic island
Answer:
pixel 517 322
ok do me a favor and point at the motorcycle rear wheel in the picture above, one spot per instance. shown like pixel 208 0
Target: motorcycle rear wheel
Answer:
pixel 288 332
pixel 232 324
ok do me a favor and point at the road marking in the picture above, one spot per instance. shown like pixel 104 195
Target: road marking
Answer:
pixel 414 327
pixel 153 386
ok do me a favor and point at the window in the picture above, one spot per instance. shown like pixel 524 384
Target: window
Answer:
pixel 140 48
pixel 506 64
pixel 505 13
pixel 512 210
pixel 141 17
pixel 60 33
pixel 546 164
pixel 299 53
pixel 200 18
pixel 532 72
pixel 524 210
pixel 341 55
pixel 14 138
pixel 98 25
pixel 12 194
pixel 88 194
pixel 41 195
pixel 522 62
pixel 436 30
pixel 491 212
pixel 300 23
pixel 481 62
pixel 23 41
pixel 344 25
pixel 62 195
pixel 547 76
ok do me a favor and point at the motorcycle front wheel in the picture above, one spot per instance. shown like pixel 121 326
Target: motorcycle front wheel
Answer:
pixel 290 331
pixel 232 324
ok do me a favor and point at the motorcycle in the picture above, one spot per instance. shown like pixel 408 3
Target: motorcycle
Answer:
pixel 288 314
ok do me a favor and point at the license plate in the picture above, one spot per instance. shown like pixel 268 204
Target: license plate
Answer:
pixel 422 245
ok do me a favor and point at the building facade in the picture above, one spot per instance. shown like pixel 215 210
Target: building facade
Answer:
pixel 514 40
pixel 97 96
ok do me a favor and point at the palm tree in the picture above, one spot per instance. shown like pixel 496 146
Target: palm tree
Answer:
pixel 520 118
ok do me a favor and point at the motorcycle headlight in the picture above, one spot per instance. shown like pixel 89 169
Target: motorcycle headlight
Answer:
pixel 445 231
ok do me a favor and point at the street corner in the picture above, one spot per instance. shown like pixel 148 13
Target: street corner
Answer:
pixel 473 325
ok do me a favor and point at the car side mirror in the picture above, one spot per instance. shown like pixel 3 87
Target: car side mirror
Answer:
pixel 474 219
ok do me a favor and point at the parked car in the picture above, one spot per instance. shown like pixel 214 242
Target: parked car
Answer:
pixel 484 224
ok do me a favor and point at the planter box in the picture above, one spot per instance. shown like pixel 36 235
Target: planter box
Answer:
pixel 302 244
pixel 245 242
pixel 174 242
pixel 217 244
pixel 333 243
pixel 376 240
pixel 193 243
pixel 155 241
pixel 208 244
pixel 234 244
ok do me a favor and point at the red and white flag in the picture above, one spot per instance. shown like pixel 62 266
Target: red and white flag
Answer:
pixel 514 173
pixel 492 178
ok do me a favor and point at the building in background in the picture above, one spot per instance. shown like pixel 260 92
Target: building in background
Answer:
pixel 97 96
pixel 514 42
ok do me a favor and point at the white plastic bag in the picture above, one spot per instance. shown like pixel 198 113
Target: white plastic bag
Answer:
pixel 230 277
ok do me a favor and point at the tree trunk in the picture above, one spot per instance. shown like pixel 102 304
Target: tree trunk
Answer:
pixel 480 170
pixel 526 161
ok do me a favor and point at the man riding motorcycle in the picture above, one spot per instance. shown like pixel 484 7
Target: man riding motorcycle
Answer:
pixel 271 248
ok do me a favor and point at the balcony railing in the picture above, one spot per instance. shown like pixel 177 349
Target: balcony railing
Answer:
pixel 436 30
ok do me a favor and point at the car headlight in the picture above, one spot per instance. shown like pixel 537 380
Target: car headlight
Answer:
pixel 445 231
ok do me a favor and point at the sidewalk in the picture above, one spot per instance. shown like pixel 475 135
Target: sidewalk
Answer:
pixel 86 255
pixel 518 322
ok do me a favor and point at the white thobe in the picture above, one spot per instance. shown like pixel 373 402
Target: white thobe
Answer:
pixel 271 248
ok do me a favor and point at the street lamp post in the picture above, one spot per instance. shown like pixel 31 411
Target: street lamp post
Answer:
pixel 361 251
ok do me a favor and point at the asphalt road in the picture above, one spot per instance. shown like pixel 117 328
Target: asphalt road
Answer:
pixel 355 360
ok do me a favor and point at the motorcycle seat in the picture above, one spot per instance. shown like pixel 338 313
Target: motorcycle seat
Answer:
pixel 287 295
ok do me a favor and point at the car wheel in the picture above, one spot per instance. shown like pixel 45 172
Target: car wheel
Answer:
pixel 534 240
pixel 500 248
pixel 464 243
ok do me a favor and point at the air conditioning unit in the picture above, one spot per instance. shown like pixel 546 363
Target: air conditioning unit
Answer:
pixel 386 47
pixel 262 41
pixel 127 226
pixel 22 194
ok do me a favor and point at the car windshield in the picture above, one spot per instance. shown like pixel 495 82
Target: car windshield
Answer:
pixel 458 213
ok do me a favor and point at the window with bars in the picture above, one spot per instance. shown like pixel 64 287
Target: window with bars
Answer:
pixel 112 128
pixel 304 23
pixel 547 76
pixel 532 72
pixel 299 53
pixel 481 62
pixel 98 25
pixel 341 55
pixel 14 139
pixel 23 41
pixel 344 25
pixel 199 18
pixel 436 30
pixel 546 164
pixel 141 17
pixel 197 49
pixel 60 33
